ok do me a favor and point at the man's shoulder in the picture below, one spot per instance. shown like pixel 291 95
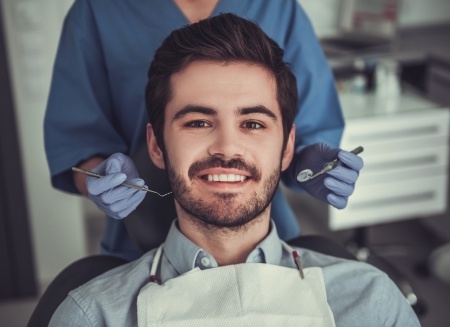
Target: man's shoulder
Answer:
pixel 337 270
pixel 359 294
pixel 108 299
pixel 118 285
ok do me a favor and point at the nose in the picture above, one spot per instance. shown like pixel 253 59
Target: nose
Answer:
pixel 226 143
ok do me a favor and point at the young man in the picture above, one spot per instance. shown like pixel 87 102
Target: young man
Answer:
pixel 221 105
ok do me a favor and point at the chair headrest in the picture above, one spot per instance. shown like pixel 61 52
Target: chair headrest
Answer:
pixel 149 224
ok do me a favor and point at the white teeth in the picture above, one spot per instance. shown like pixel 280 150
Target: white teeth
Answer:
pixel 226 178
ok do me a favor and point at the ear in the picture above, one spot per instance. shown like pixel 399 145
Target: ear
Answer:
pixel 288 153
pixel 154 150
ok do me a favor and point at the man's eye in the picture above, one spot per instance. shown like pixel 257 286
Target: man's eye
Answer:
pixel 197 124
pixel 253 125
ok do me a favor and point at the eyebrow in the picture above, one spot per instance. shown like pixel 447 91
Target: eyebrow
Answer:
pixel 189 109
pixel 257 110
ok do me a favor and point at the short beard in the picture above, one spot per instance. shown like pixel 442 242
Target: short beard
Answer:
pixel 222 215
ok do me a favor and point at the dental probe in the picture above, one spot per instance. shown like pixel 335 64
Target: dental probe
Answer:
pixel 128 184
pixel 307 174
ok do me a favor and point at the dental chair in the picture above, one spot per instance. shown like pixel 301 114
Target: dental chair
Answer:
pixel 148 226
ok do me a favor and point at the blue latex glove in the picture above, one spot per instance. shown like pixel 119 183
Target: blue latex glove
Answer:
pixel 114 200
pixel 338 184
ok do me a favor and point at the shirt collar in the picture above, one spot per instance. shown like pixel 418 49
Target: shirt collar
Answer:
pixel 184 255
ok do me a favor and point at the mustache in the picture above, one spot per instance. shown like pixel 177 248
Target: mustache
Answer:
pixel 216 162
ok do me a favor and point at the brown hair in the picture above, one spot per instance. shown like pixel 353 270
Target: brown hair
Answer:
pixel 222 38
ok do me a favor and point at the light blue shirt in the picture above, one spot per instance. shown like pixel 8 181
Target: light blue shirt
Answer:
pixel 96 101
pixel 359 295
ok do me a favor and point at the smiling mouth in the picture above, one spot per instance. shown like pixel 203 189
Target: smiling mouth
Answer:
pixel 227 178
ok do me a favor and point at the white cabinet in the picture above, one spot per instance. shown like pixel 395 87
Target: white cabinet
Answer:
pixel 406 156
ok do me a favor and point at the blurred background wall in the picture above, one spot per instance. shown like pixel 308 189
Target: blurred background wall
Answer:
pixel 32 31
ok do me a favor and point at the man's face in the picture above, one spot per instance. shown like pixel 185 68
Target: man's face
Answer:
pixel 223 139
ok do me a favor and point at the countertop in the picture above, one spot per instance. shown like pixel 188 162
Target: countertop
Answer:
pixel 412 45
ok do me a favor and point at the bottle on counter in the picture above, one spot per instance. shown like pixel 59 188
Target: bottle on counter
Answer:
pixel 387 82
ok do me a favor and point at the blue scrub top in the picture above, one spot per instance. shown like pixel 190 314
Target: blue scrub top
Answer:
pixel 96 102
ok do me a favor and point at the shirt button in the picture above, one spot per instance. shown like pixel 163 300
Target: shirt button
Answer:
pixel 205 261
